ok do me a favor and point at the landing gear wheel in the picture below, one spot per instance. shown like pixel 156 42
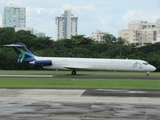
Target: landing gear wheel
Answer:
pixel 73 72
pixel 147 74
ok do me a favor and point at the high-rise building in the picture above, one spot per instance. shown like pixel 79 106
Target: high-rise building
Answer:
pixel 14 16
pixel 66 25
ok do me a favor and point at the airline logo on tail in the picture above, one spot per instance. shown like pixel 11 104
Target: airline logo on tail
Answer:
pixel 21 56
pixel 24 55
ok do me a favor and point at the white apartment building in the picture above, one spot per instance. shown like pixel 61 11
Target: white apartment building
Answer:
pixel 66 25
pixel 97 36
pixel 14 16
pixel 141 32
pixel 158 37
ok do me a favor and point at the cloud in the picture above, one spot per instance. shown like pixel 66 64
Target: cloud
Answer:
pixel 15 2
pixel 89 8
pixel 78 9
pixel 139 14
pixel 134 15
pixel 40 10
pixel 104 20
pixel 67 6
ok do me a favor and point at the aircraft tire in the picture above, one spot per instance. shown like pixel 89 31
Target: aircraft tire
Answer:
pixel 147 74
pixel 73 72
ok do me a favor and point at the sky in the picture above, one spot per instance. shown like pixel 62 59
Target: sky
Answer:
pixel 105 15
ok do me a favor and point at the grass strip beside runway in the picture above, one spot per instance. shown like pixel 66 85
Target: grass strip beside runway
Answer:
pixel 68 72
pixel 79 83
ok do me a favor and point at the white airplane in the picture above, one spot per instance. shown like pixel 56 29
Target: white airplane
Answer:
pixel 25 56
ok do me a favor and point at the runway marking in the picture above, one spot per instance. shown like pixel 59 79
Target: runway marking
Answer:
pixel 81 76
pixel 27 76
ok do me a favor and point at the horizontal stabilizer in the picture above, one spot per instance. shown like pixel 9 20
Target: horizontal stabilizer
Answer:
pixel 15 45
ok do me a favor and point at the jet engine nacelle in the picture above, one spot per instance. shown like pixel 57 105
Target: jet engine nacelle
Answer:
pixel 41 62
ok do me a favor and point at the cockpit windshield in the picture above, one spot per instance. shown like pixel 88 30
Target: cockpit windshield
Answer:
pixel 145 63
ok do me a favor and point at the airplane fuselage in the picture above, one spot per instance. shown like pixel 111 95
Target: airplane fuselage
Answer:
pixel 98 64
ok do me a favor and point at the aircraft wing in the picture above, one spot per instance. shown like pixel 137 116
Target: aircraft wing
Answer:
pixel 77 67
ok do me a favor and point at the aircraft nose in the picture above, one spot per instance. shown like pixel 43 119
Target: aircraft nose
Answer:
pixel 152 68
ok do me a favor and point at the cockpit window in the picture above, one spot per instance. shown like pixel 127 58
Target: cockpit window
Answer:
pixel 145 63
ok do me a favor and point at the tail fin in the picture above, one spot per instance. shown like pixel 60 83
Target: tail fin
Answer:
pixel 24 55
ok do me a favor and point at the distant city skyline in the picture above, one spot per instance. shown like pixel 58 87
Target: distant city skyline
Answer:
pixel 107 16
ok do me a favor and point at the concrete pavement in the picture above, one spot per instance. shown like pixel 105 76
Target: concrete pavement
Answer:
pixel 69 104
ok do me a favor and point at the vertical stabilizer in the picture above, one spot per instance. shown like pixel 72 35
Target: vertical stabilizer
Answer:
pixel 24 55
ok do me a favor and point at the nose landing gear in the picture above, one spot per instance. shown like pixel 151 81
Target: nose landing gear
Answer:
pixel 147 74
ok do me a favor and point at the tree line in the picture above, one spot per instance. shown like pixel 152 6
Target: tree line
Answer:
pixel 76 46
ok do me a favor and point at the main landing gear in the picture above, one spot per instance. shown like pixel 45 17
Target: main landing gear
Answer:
pixel 73 72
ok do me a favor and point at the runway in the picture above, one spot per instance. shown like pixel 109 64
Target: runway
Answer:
pixel 93 76
pixel 78 104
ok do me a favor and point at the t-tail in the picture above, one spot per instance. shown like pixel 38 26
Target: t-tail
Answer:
pixel 25 56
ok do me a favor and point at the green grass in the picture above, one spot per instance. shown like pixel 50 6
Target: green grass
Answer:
pixel 69 72
pixel 78 83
